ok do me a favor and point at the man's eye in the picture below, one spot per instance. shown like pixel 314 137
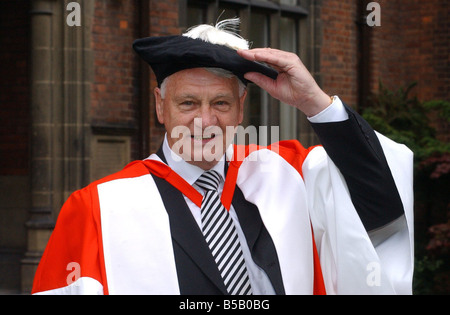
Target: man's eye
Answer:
pixel 221 103
pixel 188 103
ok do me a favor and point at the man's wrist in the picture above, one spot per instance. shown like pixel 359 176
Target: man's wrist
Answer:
pixel 335 112
pixel 317 104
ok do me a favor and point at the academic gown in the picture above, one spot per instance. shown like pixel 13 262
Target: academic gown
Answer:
pixel 333 219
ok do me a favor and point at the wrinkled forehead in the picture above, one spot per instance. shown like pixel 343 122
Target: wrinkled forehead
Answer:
pixel 203 80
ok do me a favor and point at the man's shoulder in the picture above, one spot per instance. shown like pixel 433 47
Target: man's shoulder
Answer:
pixel 132 170
pixel 291 150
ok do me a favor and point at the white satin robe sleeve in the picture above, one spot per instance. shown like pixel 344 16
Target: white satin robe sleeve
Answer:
pixel 354 261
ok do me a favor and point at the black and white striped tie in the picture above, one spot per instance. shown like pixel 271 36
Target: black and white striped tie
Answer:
pixel 221 236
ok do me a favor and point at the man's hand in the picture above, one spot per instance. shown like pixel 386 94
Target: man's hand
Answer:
pixel 294 86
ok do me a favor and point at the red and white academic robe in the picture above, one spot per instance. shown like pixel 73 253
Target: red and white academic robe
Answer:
pixel 113 237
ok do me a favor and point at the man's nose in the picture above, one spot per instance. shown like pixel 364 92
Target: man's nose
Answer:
pixel 207 116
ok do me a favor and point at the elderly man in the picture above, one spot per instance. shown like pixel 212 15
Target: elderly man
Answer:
pixel 205 216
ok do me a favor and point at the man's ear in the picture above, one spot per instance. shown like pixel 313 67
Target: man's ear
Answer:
pixel 159 105
pixel 241 106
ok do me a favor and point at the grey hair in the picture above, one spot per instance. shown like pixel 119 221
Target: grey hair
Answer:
pixel 217 71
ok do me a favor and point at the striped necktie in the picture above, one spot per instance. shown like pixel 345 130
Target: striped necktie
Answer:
pixel 221 237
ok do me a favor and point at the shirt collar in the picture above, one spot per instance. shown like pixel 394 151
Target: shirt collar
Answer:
pixel 190 173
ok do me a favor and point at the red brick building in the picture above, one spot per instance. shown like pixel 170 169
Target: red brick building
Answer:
pixel 76 103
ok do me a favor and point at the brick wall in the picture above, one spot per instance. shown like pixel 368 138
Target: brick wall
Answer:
pixel 428 34
pixel 14 87
pixel 115 91
pixel 387 62
pixel 339 50
pixel 114 94
pixel 412 44
pixel 164 20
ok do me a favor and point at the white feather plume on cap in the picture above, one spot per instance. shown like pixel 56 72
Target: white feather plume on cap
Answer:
pixel 223 33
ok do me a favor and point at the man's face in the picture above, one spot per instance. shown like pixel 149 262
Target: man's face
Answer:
pixel 196 110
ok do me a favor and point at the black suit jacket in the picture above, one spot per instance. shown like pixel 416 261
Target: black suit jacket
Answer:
pixel 356 151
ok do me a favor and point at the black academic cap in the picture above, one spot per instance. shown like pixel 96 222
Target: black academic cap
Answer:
pixel 170 54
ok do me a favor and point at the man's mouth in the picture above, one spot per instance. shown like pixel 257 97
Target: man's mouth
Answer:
pixel 203 138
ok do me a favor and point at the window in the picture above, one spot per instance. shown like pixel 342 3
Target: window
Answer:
pixel 265 23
